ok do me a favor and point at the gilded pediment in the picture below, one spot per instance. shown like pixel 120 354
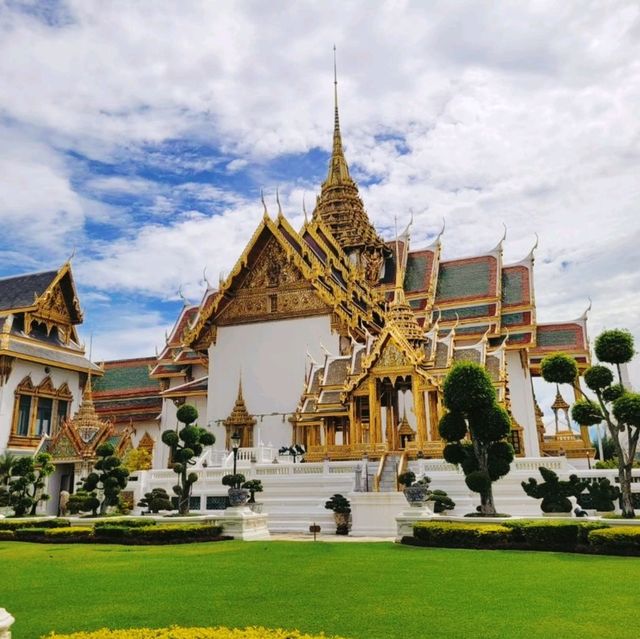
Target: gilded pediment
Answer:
pixel 272 288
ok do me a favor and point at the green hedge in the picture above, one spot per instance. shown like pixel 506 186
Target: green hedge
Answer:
pixel 125 523
pixel 120 533
pixel 450 534
pixel 624 540
pixel 571 535
pixel 15 524
pixel 71 532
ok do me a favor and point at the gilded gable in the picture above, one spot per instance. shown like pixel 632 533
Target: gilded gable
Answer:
pixel 273 288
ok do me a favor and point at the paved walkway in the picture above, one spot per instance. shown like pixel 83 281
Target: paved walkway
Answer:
pixel 331 538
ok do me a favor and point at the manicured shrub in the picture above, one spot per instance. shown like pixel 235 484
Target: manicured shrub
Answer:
pixel 616 540
pixel 71 532
pixel 559 368
pixel 470 399
pixel 554 492
pixel 111 532
pixel 544 535
pixel 125 523
pixel 454 535
pixel 111 479
pixel 176 532
pixel 7 534
pixel 14 524
pixel 156 500
pixel 29 534
pixel 176 632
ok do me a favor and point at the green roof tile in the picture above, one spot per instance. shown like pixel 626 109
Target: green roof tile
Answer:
pixel 464 279
pixel 124 378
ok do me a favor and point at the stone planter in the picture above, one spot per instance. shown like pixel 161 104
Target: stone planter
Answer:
pixel 256 507
pixel 342 523
pixel 238 497
pixel 416 495
pixel 558 515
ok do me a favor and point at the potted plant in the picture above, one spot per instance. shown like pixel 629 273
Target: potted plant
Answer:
pixel 341 512
pixel 253 486
pixel 415 492
pixel 554 493
pixel 238 496
pixel 441 501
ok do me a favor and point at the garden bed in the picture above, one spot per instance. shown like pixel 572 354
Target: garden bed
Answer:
pixel 595 537
pixel 115 531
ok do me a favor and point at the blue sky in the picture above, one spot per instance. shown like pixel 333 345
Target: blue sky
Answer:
pixel 140 134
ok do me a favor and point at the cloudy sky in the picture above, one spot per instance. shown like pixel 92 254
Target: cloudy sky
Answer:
pixel 139 134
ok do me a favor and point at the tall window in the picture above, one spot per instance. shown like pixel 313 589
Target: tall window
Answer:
pixel 63 409
pixel 24 413
pixel 43 416
pixel 39 410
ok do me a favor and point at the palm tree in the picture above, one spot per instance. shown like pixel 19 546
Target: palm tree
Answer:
pixel 7 462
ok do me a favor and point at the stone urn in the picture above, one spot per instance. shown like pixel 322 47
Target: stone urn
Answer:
pixel 416 495
pixel 238 497
pixel 342 523
pixel 256 507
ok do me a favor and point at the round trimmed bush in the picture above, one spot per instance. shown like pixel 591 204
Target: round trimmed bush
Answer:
pixel 612 393
pixel 468 388
pixel 452 426
pixel 478 481
pixel 187 414
pixel 586 413
pixel 598 377
pixel 627 409
pixel 454 453
pixel 491 425
pixel 614 346
pixel 559 368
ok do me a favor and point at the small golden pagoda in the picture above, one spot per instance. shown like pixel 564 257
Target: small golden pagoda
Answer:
pixel 239 421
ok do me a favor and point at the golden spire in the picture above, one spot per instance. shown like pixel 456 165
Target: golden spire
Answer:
pixel 338 168
pixel 399 311
pixel 86 420
pixel 339 205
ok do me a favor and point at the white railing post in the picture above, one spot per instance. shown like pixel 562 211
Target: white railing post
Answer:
pixel 6 621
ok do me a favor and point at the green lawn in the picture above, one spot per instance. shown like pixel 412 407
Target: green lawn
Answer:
pixel 358 590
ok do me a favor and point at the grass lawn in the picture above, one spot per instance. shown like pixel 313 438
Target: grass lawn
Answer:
pixel 358 590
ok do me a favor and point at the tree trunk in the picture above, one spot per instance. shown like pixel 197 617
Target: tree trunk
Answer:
pixel 487 507
pixel 625 474
pixel 183 501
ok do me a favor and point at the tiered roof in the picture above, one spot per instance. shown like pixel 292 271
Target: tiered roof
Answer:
pixel 38 316
pixel 126 393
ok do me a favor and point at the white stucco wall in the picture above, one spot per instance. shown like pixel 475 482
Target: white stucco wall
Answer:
pixel 522 403
pixel 19 371
pixel 271 356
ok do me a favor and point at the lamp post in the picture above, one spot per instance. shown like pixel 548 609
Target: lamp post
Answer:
pixel 235 444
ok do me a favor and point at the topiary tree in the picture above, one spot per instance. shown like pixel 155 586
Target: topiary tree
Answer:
pixel 155 501
pixel 253 486
pixel 601 495
pixel 28 479
pixel 473 411
pixel 559 368
pixel 7 462
pixel 83 502
pixel 233 481
pixel 441 501
pixel 341 507
pixel 111 478
pixel 554 492
pixel 616 406
pixel 186 445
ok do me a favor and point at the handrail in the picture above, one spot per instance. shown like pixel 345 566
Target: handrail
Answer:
pixel 402 466
pixel 378 477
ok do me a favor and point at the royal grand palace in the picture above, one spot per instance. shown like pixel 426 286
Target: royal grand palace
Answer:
pixel 329 337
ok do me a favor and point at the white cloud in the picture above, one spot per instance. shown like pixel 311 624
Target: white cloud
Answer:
pixel 481 113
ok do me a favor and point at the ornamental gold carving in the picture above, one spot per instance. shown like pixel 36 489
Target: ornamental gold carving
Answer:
pixel 392 357
pixel 273 289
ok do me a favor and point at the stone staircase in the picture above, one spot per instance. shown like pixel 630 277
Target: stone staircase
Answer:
pixel 389 476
